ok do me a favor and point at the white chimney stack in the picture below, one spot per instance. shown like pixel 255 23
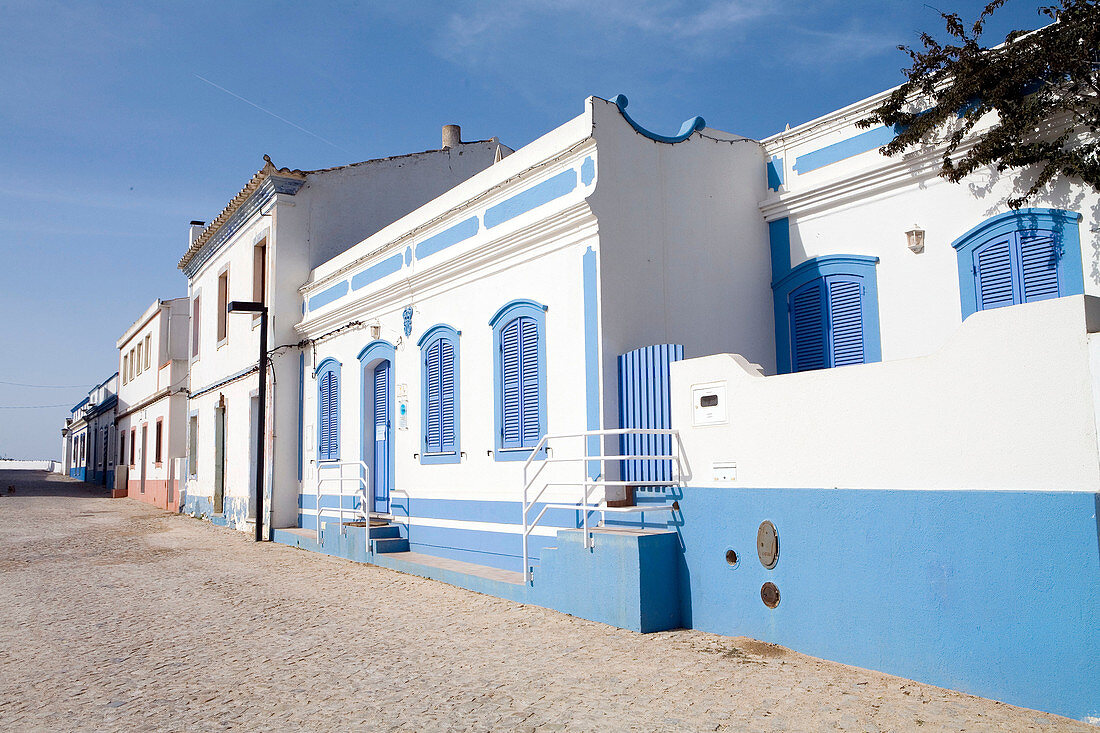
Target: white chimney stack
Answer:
pixel 196 229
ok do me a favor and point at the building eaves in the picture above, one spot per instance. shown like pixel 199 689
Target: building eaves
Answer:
pixel 253 184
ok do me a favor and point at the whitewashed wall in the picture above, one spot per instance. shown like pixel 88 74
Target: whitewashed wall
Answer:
pixel 1007 403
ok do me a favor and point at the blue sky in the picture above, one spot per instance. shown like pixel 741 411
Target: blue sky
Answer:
pixel 112 141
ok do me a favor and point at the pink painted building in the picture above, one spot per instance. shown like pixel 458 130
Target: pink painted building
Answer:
pixel 152 404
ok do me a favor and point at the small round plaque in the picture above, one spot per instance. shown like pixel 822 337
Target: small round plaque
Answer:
pixel 769 594
pixel 767 544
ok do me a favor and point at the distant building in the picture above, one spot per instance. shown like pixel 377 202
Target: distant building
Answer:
pixel 152 403
pixel 89 435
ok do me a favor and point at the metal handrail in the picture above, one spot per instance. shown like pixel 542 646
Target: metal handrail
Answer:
pixel 361 491
pixel 587 484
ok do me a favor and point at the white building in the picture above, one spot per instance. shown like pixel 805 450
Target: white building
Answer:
pixel 89 436
pixel 152 403
pixel 261 248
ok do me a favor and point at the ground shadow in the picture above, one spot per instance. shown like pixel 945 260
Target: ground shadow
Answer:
pixel 16 483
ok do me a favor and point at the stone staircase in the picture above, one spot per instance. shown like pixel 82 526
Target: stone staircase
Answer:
pixel 386 537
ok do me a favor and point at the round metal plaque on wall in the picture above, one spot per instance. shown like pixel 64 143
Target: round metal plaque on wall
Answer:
pixel 769 594
pixel 767 544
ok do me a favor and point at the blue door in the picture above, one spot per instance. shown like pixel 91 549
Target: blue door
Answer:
pixel 382 428
pixel 645 401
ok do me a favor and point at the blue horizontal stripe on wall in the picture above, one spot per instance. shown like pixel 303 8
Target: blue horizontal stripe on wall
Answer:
pixel 337 291
pixel 502 550
pixel 377 272
pixel 533 197
pixel 873 138
pixel 994 593
pixel 309 501
pixel 450 236
pixel 499 512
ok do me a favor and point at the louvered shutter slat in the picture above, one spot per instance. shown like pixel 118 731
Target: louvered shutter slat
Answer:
pixel 846 321
pixel 1038 265
pixel 808 327
pixel 510 399
pixel 993 265
pixel 529 382
pixel 446 396
pixel 433 427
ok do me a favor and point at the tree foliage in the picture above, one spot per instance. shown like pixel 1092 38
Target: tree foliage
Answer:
pixel 1043 86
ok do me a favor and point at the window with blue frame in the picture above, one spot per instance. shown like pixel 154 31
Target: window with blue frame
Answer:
pixel 440 387
pixel 328 410
pixel 519 338
pixel 826 313
pixel 1019 257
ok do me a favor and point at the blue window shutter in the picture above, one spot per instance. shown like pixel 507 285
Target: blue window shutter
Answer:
pixel 433 441
pixel 808 337
pixel 845 320
pixel 529 382
pixel 1038 265
pixel 510 399
pixel 322 428
pixel 328 438
pixel 381 395
pixel 446 396
pixel 994 280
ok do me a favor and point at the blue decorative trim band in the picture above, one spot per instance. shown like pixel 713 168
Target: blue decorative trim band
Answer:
pixel 377 272
pixel 588 171
pixel 862 143
pixel 775 173
pixel 589 278
pixel 337 291
pixel 453 235
pixel 537 195
pixel 692 125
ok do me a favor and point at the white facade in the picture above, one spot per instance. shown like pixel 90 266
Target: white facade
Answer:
pixel 261 249
pixel 89 437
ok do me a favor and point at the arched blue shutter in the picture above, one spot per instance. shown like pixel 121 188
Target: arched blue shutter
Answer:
pixel 1038 265
pixel 845 320
pixel 808 337
pixel 994 277
pixel 446 396
pixel 328 433
pixel 511 426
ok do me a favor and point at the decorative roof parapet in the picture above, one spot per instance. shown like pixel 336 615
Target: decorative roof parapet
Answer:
pixel 267 181
pixel 692 125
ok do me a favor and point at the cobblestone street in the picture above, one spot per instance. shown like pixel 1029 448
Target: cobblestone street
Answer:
pixel 118 616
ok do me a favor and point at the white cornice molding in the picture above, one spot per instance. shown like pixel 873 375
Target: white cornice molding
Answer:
pixel 483 200
pixel 567 227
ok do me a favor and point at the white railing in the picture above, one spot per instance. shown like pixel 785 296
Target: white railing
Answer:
pixel 587 484
pixel 361 482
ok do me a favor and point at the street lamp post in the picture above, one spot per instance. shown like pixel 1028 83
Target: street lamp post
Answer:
pixel 245 306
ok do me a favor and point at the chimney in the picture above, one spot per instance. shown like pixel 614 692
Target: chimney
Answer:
pixel 196 229
pixel 452 136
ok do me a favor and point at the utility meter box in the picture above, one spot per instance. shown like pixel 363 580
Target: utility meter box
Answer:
pixel 708 404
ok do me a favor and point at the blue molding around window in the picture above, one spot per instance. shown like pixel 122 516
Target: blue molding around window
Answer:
pixel 328 365
pixel 438 332
pixel 861 266
pixel 504 316
pixel 1063 224
pixel 690 126
pixel 369 357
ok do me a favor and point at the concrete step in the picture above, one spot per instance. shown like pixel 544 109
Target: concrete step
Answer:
pixel 389 544
pixel 387 531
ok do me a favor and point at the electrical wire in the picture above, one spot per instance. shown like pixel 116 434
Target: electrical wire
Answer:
pixel 32 407
pixel 48 386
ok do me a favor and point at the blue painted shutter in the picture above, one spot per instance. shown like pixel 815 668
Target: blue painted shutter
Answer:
pixel 510 424
pixel 381 394
pixel 845 319
pixel 432 439
pixel 808 336
pixel 529 382
pixel 328 445
pixel 645 401
pixel 446 396
pixel 1038 265
pixel 322 428
pixel 994 278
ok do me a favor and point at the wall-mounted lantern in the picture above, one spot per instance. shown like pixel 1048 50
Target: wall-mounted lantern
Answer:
pixel 915 239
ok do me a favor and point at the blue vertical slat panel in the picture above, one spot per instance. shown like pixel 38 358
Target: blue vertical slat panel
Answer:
pixel 645 401
pixel 808 327
pixel 529 382
pixel 845 320
pixel 1038 265
pixel 434 431
pixel 381 446
pixel 994 274
pixel 446 396
pixel 511 432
